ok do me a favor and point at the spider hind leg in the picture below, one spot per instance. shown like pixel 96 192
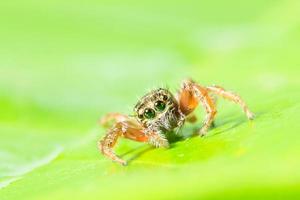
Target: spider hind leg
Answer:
pixel 192 93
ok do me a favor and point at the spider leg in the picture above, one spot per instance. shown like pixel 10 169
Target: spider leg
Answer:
pixel 125 129
pixel 209 105
pixel 190 96
pixel 131 130
pixel 112 117
pixel 232 97
pixel 157 139
pixel 192 93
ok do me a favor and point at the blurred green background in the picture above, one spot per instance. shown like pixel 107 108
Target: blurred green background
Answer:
pixel 64 64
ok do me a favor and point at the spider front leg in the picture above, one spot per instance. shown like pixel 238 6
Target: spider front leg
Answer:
pixel 112 117
pixel 131 130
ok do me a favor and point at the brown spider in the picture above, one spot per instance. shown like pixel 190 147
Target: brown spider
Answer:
pixel 159 111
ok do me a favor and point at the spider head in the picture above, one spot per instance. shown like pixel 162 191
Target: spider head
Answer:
pixel 157 110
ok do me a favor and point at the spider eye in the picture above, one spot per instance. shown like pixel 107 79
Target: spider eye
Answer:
pixel 140 116
pixel 149 113
pixel 159 105
pixel 164 97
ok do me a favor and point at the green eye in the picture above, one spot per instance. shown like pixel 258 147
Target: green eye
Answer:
pixel 159 105
pixel 149 113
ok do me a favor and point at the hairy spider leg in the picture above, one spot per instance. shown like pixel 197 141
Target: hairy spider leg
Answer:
pixel 190 96
pixel 231 97
pixel 112 117
pixel 192 93
pixel 129 129
pixel 125 129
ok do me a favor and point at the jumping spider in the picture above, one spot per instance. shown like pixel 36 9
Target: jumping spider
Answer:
pixel 159 111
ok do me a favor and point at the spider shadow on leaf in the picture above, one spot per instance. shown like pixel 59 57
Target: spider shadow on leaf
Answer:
pixel 234 125
pixel 140 147
pixel 192 131
pixel 236 122
pixel 171 136
pixel 141 150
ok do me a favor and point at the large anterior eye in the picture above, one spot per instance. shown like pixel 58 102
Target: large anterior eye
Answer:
pixel 160 106
pixel 149 113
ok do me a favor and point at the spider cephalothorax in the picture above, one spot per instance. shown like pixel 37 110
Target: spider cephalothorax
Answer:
pixel 159 111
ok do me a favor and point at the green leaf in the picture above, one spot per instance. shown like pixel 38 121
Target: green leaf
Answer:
pixel 64 64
